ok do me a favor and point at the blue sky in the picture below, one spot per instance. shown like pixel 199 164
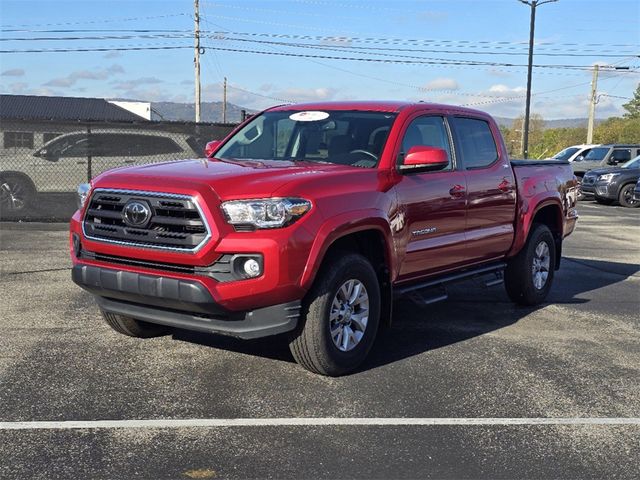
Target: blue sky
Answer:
pixel 451 36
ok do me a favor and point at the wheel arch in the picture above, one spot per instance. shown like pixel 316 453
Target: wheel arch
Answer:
pixel 370 239
pixel 550 215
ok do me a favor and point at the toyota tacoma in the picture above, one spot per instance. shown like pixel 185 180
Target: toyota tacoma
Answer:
pixel 309 220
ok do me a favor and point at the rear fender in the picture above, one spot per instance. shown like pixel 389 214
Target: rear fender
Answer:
pixel 527 211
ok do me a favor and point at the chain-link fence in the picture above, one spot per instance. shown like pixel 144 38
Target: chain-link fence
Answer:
pixel 42 162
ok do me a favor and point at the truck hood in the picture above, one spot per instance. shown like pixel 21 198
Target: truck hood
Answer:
pixel 228 179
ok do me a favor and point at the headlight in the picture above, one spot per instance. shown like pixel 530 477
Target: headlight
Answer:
pixel 83 194
pixel 267 212
pixel 607 177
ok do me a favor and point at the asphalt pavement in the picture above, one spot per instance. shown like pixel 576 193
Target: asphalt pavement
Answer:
pixel 474 356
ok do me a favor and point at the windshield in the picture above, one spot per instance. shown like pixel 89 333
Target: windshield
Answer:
pixel 343 137
pixel 566 153
pixel 633 163
pixel 597 154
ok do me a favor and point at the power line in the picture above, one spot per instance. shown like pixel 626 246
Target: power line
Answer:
pixel 98 49
pixel 407 61
pixel 88 22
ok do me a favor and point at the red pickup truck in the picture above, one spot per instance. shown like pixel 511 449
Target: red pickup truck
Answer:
pixel 308 220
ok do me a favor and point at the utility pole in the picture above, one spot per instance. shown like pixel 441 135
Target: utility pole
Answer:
pixel 595 97
pixel 592 103
pixel 532 26
pixel 224 101
pixel 196 58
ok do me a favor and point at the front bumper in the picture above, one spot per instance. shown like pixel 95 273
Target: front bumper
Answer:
pixel 605 190
pixel 180 303
pixel 587 189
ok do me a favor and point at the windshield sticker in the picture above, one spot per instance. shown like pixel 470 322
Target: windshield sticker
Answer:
pixel 308 116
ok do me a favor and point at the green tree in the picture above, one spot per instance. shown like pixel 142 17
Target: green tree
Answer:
pixel 633 106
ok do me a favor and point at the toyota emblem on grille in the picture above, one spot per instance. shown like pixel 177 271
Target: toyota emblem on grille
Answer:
pixel 136 214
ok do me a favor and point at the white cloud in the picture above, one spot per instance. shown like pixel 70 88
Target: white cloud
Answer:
pixel 18 87
pixel 442 84
pixel 306 94
pixel 134 83
pixel 73 77
pixel 14 72
pixel 505 90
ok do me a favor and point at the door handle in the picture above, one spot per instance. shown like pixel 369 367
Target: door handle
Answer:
pixel 457 191
pixel 129 161
pixel 81 162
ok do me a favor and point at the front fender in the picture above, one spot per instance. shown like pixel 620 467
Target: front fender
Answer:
pixel 340 226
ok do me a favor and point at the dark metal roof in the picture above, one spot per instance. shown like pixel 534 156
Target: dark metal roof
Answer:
pixel 32 107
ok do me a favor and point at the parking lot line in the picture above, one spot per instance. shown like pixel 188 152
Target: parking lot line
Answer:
pixel 312 422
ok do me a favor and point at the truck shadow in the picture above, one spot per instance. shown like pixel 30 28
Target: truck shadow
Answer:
pixel 471 310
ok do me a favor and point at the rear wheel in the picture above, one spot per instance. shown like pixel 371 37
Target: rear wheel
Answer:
pixel 529 274
pixel 132 327
pixel 340 318
pixel 625 197
pixel 16 193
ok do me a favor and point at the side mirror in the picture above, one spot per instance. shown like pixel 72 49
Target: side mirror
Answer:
pixel 423 157
pixel 579 158
pixel 211 147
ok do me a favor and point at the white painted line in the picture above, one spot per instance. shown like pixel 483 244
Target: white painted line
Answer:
pixel 310 422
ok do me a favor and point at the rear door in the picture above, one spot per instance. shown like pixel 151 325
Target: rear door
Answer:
pixel 434 203
pixel 491 192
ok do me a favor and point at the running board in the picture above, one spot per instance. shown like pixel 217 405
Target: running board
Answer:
pixel 442 281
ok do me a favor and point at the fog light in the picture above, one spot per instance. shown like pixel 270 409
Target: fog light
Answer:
pixel 77 245
pixel 251 267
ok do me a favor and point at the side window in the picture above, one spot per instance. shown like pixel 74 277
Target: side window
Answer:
pixel 73 146
pixel 474 141
pixel 429 132
pixel 621 155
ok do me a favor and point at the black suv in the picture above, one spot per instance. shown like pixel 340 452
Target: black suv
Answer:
pixel 613 183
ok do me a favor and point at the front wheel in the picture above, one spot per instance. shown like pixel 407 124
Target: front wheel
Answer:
pixel 340 317
pixel 16 193
pixel 626 196
pixel 529 275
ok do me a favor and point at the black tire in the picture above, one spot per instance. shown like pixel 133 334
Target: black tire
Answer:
pixel 625 197
pixel 519 277
pixel 603 201
pixel 133 328
pixel 16 193
pixel 311 343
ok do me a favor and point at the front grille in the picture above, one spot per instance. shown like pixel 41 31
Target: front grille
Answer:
pixel 174 221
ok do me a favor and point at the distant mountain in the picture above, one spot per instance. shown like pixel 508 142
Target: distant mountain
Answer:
pixel 210 111
pixel 561 123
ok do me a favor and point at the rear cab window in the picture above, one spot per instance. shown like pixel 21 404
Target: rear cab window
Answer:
pixel 474 141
